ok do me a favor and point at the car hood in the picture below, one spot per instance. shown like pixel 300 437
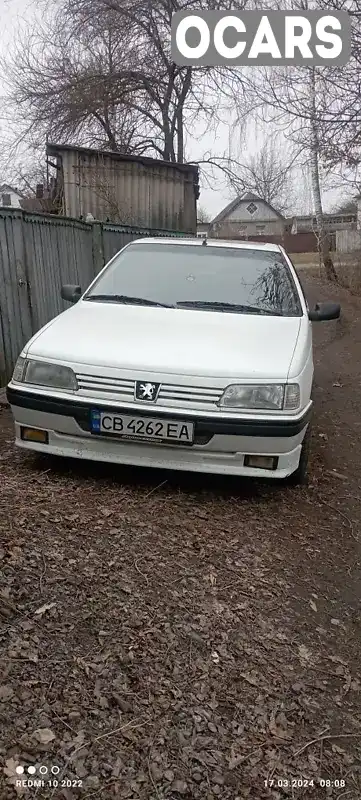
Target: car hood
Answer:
pixel 176 341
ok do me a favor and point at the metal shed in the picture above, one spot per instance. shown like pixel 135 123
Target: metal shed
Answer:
pixel 125 189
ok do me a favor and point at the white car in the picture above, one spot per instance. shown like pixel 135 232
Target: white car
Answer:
pixel 182 354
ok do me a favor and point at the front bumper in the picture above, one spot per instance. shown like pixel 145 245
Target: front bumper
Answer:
pixel 220 444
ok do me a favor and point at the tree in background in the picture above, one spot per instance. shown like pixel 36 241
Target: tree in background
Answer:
pixel 294 99
pixel 341 141
pixel 99 73
pixel 202 215
pixel 268 173
pixel 347 207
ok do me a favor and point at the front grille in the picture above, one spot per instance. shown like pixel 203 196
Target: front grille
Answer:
pixel 189 394
pixel 171 395
pixel 90 384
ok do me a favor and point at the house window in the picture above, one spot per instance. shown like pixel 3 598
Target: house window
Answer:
pixel 6 199
pixel 260 227
pixel 252 208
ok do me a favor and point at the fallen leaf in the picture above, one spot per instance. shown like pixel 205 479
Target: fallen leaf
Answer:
pixel 297 687
pixel 278 727
pixel 304 653
pixel 348 683
pixel 79 740
pixel 10 768
pixel 313 762
pixel 47 607
pixel 179 786
pixel 106 512
pixel 44 735
pixel 6 692
pixel 313 605
pixel 12 777
pixel 249 678
pixel 336 749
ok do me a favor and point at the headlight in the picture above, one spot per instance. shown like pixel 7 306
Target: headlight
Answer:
pixel 273 397
pixel 39 373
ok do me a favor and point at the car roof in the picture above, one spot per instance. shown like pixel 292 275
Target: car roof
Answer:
pixel 223 243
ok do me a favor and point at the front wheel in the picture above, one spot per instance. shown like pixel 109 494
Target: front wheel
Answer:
pixel 299 476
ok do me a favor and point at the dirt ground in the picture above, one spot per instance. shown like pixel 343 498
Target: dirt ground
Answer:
pixel 179 636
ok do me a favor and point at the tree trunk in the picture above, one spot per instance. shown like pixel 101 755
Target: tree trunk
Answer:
pixel 180 114
pixel 323 243
pixel 180 137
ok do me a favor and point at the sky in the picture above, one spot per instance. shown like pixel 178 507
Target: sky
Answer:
pixel 215 193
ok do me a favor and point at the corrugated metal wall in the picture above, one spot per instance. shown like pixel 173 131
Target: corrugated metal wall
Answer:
pixel 58 251
pixel 116 236
pixel 348 241
pixel 40 252
pixel 149 195
pixel 15 312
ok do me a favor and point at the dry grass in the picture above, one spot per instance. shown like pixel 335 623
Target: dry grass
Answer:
pixel 304 259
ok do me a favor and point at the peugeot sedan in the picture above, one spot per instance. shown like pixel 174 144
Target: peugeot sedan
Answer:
pixel 182 354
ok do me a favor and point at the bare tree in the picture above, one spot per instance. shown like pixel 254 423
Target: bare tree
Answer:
pixel 346 206
pixel 315 151
pixel 202 215
pixel 99 72
pixel 268 173
pixel 295 100
pixel 341 119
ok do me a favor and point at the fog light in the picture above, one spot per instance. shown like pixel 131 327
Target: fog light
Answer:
pixel 261 462
pixel 34 435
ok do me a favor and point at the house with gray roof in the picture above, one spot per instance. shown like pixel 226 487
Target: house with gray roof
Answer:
pixel 248 216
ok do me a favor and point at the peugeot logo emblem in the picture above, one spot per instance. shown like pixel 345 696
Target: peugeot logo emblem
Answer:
pixel 148 392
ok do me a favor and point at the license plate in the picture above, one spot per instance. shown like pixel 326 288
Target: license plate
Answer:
pixel 147 428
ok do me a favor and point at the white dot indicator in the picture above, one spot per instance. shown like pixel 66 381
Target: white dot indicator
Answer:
pixel 43 769
pixel 55 770
pixel 19 769
pixel 31 770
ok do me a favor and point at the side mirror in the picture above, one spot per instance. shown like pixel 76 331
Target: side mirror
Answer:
pixel 71 293
pixel 325 311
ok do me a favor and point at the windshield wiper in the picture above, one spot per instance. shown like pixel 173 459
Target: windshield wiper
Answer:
pixel 237 308
pixel 126 300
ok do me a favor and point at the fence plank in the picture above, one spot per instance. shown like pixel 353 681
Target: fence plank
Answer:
pixel 348 241
pixel 16 326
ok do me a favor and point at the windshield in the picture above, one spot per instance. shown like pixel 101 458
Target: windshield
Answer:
pixel 223 279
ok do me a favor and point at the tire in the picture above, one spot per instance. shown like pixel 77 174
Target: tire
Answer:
pixel 299 477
